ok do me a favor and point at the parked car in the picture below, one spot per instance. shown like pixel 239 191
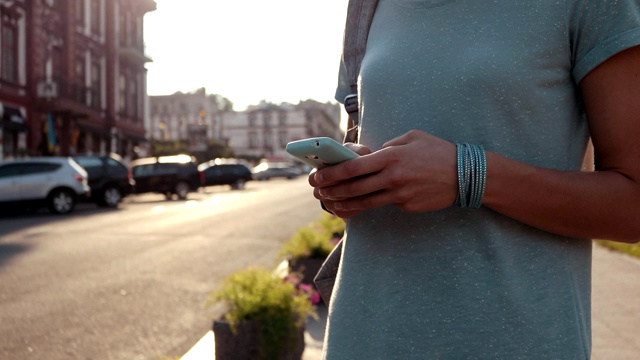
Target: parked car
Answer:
pixel 56 182
pixel 267 171
pixel 168 175
pixel 234 175
pixel 109 179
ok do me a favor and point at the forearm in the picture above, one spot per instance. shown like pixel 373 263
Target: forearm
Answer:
pixel 599 205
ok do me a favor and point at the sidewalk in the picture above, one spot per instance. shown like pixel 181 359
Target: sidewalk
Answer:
pixel 615 305
pixel 615 309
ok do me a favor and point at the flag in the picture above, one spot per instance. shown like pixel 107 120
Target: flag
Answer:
pixel 50 129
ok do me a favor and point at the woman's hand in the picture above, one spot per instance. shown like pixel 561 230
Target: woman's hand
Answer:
pixel 415 172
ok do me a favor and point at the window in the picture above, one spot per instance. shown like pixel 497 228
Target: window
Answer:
pixel 129 29
pixel 124 28
pixel 89 162
pixel 95 17
pixel 267 118
pixel 9 170
pixel 253 140
pixel 252 119
pixel 9 50
pixel 283 138
pixel 80 85
pixel 132 103
pixel 80 13
pixel 38 168
pixel 122 93
pixel 268 141
pixel 96 84
pixel 282 118
pixel 114 164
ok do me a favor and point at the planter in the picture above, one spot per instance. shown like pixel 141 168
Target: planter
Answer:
pixel 245 343
pixel 308 267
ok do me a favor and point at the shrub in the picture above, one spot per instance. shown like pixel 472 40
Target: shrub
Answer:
pixel 259 295
pixel 316 240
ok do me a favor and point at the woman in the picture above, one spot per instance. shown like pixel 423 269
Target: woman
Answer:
pixel 428 273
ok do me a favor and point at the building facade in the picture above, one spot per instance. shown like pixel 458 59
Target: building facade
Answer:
pixel 264 130
pixel 73 76
pixel 194 116
pixel 261 131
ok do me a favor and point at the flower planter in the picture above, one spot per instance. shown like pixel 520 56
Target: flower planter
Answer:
pixel 245 343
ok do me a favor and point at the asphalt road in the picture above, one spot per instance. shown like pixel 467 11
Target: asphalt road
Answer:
pixel 132 283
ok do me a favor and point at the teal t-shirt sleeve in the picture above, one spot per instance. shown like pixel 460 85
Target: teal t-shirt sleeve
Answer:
pixel 599 29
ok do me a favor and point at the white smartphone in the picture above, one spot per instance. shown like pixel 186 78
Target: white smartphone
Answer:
pixel 320 152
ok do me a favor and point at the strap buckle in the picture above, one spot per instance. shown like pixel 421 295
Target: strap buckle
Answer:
pixel 351 106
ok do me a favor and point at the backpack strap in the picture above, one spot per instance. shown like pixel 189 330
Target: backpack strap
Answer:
pixel 359 17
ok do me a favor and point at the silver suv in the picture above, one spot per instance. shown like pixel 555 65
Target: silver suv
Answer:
pixel 55 182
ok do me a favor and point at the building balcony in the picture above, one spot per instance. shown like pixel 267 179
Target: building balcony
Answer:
pixel 67 96
pixel 133 54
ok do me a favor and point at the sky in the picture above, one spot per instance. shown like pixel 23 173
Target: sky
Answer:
pixel 245 50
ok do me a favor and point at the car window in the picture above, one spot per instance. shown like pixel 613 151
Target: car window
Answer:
pixel 89 162
pixel 165 169
pixel 215 170
pixel 239 170
pixel 143 170
pixel 39 167
pixel 9 170
pixel 112 163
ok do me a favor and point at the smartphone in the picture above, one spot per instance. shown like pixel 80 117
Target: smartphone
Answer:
pixel 320 152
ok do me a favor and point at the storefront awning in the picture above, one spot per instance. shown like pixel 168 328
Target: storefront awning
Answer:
pixel 12 118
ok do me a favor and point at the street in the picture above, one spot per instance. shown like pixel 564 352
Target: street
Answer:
pixel 132 283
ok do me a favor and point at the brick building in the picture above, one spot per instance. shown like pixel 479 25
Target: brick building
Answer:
pixel 72 76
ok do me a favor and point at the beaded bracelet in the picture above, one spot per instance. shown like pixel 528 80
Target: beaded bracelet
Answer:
pixel 472 175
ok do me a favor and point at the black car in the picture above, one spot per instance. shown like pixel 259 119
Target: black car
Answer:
pixel 235 175
pixel 109 178
pixel 168 175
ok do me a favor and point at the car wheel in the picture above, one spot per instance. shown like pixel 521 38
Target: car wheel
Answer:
pixel 182 189
pixel 61 201
pixel 239 184
pixel 111 197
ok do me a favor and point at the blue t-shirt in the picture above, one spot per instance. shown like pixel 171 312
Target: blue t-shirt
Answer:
pixel 460 283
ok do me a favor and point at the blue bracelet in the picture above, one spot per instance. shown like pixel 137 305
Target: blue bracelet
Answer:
pixel 472 175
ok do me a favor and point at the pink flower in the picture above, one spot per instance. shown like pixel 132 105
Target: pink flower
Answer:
pixel 315 298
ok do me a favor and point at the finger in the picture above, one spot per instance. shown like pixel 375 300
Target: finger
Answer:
pixel 310 177
pixel 356 187
pixel 362 203
pixel 364 165
pixel 328 205
pixel 358 148
pixel 319 194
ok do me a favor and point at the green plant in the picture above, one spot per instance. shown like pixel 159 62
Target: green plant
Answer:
pixel 316 240
pixel 259 295
pixel 631 249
